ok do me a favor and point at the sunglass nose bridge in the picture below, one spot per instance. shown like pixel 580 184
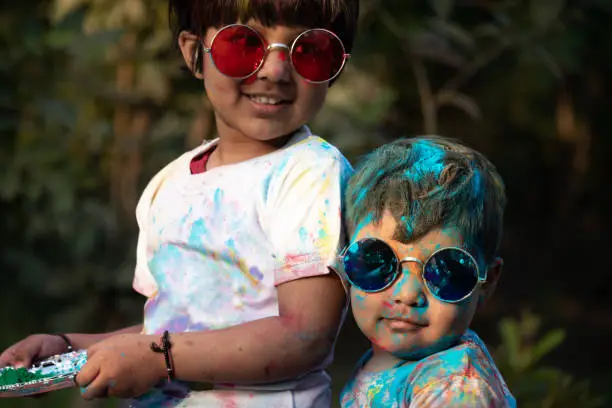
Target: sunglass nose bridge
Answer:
pixel 411 259
pixel 275 46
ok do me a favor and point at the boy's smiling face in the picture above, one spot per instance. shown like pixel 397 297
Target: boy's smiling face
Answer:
pixel 240 111
pixel 405 319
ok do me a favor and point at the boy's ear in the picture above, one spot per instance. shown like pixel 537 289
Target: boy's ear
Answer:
pixel 494 272
pixel 191 48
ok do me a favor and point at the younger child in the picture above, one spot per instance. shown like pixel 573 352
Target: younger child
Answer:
pixel 236 235
pixel 425 217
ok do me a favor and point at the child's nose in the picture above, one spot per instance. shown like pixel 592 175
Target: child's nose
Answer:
pixel 408 289
pixel 276 66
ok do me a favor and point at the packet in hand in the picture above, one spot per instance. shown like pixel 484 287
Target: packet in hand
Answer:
pixel 55 373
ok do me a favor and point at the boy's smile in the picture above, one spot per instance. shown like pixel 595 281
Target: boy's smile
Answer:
pixel 272 103
pixel 405 319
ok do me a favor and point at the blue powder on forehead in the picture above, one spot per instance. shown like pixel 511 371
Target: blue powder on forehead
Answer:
pixel 430 161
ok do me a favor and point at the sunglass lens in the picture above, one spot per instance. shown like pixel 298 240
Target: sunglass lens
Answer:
pixel 237 51
pixel 451 274
pixel 370 264
pixel 318 55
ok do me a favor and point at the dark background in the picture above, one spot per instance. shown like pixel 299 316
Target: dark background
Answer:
pixel 93 102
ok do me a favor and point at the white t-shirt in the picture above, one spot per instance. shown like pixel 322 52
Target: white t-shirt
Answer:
pixel 213 247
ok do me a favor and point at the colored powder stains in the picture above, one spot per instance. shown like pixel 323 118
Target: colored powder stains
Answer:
pixel 361 196
pixel 256 273
pixel 303 233
pixel 367 220
pixel 477 183
pixel 218 200
pixel 199 229
pixel 164 265
pixel 430 161
pixel 359 301
pixel 179 324
pixel 232 252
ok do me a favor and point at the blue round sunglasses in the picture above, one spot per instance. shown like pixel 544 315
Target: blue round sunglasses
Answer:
pixel 450 274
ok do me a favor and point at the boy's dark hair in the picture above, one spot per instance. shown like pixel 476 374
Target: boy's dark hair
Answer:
pixel 196 16
pixel 430 182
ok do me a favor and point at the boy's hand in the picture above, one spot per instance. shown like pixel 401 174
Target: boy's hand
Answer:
pixel 122 366
pixel 35 347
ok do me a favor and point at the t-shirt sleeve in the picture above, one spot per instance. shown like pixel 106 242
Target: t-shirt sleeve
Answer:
pixel 458 392
pixel 304 213
pixel 143 282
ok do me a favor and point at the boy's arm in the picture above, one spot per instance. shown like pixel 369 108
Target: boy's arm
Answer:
pixel 81 341
pixel 271 349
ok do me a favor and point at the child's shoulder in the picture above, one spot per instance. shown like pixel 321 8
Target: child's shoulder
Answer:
pixel 308 145
pixel 309 153
pixel 462 371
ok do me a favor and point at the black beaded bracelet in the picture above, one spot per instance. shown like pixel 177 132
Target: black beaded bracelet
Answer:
pixel 67 340
pixel 164 347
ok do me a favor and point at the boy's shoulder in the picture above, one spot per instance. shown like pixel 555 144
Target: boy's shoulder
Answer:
pixel 307 153
pixel 464 371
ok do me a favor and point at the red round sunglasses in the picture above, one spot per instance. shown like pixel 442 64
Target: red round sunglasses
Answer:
pixel 238 51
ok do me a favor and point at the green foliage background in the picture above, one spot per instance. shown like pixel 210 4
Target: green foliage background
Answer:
pixel 93 102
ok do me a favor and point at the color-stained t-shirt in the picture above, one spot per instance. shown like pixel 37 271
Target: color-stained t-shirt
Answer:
pixel 463 376
pixel 214 245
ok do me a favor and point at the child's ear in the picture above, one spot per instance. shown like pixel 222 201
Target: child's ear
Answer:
pixel 494 272
pixel 192 51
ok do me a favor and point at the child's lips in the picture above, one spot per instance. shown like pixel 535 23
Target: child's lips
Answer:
pixel 402 324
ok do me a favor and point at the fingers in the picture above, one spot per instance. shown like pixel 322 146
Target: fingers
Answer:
pixel 103 387
pixel 97 389
pixel 87 375
pixel 15 357
pixel 21 354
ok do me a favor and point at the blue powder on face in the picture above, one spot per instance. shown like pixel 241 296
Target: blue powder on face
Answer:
pixel 368 219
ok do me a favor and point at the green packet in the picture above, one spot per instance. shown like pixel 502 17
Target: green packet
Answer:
pixel 11 376
pixel 59 365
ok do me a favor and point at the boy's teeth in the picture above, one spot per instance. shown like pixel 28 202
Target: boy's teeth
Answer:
pixel 265 100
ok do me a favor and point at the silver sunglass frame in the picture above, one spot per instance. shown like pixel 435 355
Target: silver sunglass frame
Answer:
pixel 340 268
pixel 270 47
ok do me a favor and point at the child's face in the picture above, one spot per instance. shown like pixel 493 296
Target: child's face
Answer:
pixel 405 319
pixel 240 114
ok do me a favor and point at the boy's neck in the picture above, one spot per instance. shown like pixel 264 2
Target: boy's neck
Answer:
pixel 231 149
pixel 381 361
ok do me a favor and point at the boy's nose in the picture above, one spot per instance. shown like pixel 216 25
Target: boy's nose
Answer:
pixel 408 289
pixel 276 66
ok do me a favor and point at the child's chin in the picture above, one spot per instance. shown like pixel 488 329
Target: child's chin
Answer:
pixel 418 351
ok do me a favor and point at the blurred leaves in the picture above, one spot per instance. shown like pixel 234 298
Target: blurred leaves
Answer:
pixel 442 8
pixel 545 13
pixel 519 358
